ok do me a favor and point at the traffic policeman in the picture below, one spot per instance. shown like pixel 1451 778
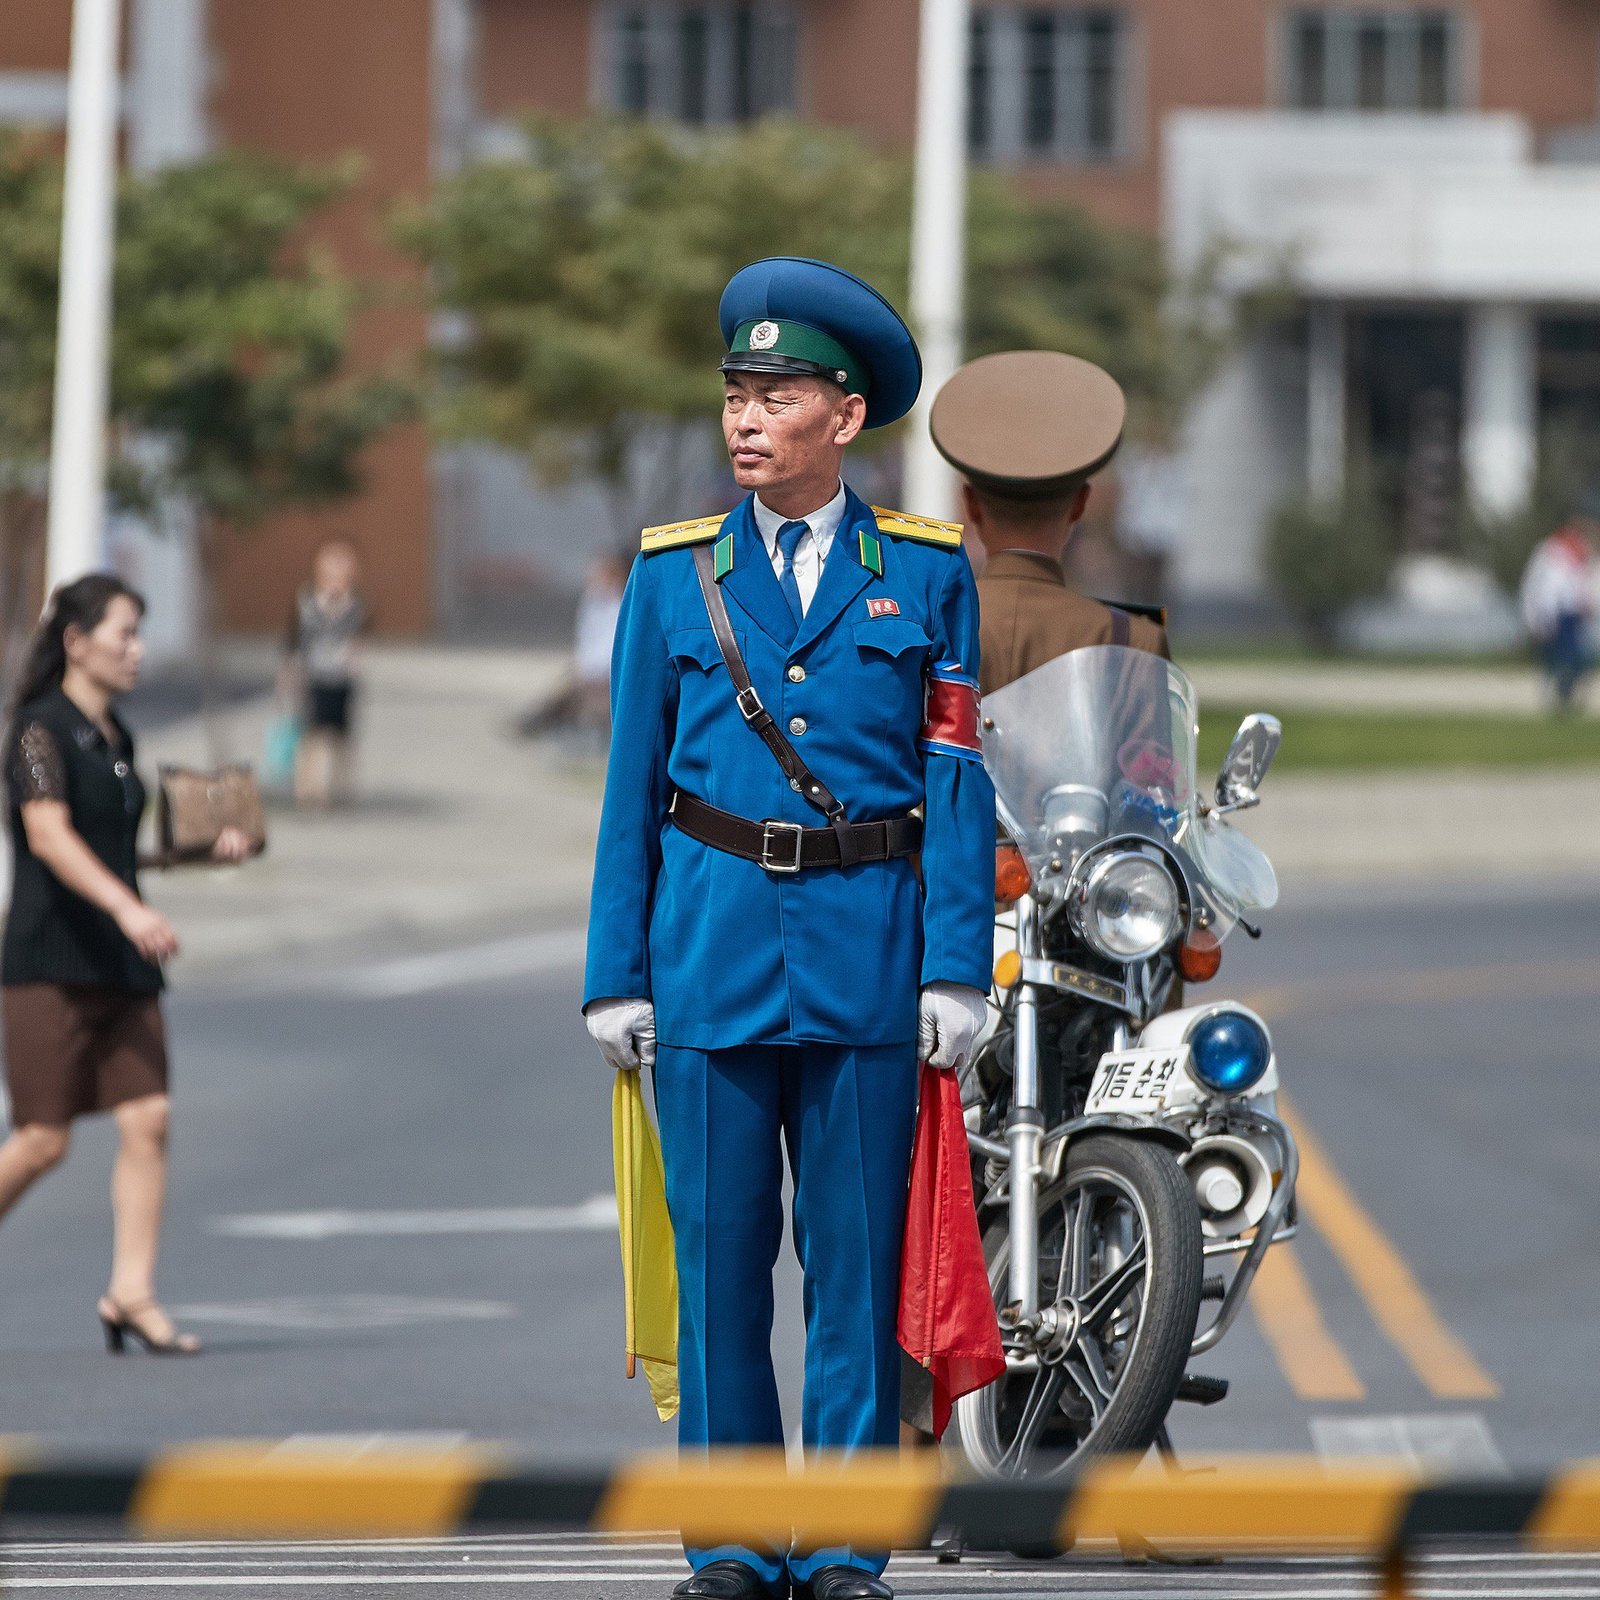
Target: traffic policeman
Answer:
pixel 1027 430
pixel 794 730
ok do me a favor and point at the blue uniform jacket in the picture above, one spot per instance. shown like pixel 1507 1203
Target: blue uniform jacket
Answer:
pixel 731 954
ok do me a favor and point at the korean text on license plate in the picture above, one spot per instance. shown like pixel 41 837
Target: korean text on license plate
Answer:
pixel 1134 1080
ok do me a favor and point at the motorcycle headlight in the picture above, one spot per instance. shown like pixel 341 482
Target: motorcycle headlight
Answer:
pixel 1229 1051
pixel 1130 908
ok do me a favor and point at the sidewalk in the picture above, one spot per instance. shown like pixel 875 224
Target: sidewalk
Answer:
pixel 462 826
pixel 1374 686
pixel 458 823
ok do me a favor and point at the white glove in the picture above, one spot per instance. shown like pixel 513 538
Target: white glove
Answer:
pixel 625 1030
pixel 948 1018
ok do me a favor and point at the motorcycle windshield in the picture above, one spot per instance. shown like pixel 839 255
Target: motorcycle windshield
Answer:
pixel 1100 744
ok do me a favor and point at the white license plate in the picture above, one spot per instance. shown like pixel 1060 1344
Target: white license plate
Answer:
pixel 1135 1080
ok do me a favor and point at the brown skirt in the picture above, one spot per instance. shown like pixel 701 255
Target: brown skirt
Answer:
pixel 73 1050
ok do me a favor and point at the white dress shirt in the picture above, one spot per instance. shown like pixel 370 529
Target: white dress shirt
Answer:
pixel 811 552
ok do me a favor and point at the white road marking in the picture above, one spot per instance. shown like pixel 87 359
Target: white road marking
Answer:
pixel 597 1214
pixel 328 1312
pixel 1036 1583
pixel 526 955
pixel 1458 1443
pixel 514 1561
pixel 353 1446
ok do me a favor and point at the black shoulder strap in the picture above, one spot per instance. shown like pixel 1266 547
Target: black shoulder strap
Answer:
pixel 760 720
pixel 1121 627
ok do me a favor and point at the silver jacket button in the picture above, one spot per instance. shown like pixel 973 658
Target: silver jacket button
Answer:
pixel 797 673
pixel 797 725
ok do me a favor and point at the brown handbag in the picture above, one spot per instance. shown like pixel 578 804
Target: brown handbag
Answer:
pixel 193 807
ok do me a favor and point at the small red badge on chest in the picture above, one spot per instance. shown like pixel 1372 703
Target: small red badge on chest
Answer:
pixel 883 608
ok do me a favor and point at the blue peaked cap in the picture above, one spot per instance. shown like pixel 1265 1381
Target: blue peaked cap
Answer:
pixel 814 294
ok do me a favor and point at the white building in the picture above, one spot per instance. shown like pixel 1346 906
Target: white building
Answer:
pixel 1450 290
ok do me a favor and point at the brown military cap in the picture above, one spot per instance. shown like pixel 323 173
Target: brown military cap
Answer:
pixel 1029 423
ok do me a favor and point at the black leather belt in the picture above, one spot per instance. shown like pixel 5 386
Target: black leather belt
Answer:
pixel 785 847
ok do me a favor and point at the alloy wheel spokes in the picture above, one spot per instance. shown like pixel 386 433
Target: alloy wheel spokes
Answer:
pixel 1097 1303
pixel 1076 1367
pixel 1079 1244
pixel 1044 1396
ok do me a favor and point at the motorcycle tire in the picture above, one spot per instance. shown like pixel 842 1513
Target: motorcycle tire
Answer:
pixel 1148 1382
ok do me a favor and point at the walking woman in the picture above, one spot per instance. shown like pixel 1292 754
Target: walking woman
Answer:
pixel 80 972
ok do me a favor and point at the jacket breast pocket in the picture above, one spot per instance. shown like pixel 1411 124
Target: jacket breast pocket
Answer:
pixel 696 648
pixel 891 662
pixel 892 637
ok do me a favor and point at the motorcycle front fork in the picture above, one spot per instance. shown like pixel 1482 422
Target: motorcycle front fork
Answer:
pixel 1025 1132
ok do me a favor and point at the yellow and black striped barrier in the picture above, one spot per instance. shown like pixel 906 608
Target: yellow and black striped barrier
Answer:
pixel 1232 1505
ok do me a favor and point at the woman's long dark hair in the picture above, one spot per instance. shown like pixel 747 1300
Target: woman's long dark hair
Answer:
pixel 80 604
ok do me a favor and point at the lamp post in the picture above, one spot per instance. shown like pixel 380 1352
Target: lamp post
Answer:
pixel 938 237
pixel 78 438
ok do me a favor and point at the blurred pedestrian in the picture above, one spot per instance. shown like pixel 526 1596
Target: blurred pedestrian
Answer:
pixel 1560 596
pixel 80 973
pixel 583 701
pixel 326 623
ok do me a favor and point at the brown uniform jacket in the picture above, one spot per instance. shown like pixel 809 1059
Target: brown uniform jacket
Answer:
pixel 1028 616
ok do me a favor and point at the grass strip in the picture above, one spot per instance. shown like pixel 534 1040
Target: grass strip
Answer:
pixel 1316 740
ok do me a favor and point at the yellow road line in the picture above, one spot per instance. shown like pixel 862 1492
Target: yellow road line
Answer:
pixel 1287 1313
pixel 1395 1298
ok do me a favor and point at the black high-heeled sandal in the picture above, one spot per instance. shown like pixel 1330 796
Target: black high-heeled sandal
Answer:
pixel 124 1321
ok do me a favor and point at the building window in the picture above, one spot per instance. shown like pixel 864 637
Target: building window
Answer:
pixel 699 62
pixel 1048 84
pixel 1352 60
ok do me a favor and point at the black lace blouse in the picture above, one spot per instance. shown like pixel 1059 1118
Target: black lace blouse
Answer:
pixel 53 935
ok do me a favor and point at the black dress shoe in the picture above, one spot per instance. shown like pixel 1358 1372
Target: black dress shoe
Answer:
pixel 844 1583
pixel 730 1580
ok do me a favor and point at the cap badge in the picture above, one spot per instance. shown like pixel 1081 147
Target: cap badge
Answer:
pixel 764 335
pixel 882 608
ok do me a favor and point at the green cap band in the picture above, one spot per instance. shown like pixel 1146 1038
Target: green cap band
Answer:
pixel 767 336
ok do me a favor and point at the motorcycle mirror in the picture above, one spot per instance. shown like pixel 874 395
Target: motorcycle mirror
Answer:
pixel 1247 761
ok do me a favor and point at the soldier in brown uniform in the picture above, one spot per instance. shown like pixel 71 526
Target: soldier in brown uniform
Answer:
pixel 1027 430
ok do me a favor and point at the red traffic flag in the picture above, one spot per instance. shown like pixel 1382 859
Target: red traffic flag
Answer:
pixel 947 1314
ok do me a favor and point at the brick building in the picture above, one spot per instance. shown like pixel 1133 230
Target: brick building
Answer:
pixel 1428 169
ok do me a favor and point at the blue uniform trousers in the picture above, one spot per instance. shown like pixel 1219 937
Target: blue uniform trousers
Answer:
pixel 846 1115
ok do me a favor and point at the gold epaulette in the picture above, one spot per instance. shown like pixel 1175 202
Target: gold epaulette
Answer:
pixel 899 525
pixel 672 534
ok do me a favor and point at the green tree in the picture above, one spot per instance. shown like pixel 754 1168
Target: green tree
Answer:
pixel 1322 557
pixel 584 274
pixel 230 381
pixel 230 350
pixel 30 251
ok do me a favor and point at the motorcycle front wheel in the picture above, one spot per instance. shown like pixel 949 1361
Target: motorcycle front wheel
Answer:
pixel 1120 1256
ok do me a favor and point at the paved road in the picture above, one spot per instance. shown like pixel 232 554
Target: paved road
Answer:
pixel 388 1219
pixel 567 1569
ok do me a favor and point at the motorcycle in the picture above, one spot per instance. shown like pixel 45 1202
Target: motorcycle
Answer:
pixel 1122 1143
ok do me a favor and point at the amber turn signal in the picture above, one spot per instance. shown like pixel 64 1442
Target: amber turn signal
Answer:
pixel 1007 969
pixel 1011 877
pixel 1200 956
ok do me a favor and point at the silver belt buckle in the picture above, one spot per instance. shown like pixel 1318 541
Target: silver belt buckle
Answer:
pixel 782 868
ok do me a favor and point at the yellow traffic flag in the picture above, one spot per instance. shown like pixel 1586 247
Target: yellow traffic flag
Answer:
pixel 649 1267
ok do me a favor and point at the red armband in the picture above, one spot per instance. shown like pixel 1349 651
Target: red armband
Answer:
pixel 950 718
